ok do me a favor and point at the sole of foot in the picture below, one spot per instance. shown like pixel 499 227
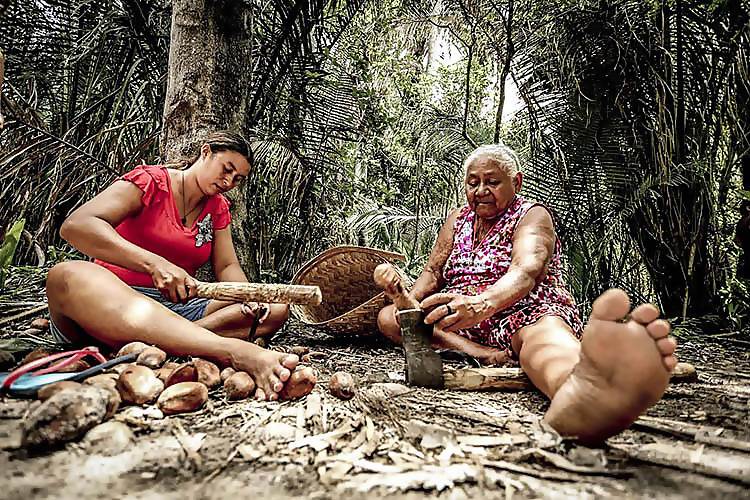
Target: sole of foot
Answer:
pixel 623 370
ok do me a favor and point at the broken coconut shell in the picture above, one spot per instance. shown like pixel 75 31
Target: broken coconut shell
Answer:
pixel 103 379
pixel 75 367
pixel 183 397
pixel 110 438
pixel 208 373
pixel 299 350
pixel 166 370
pixel 313 356
pixel 38 353
pixel 132 348
pixel 50 390
pixel 65 416
pixel 186 372
pixel 114 401
pixel 139 385
pixel 342 385
pixel 300 384
pixel 152 357
pixel 118 369
pixel 226 373
pixel 40 324
pixel 239 386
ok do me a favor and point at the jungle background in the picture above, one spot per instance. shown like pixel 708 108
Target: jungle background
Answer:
pixel 631 118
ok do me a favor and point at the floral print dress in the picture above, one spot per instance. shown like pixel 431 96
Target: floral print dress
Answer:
pixel 470 270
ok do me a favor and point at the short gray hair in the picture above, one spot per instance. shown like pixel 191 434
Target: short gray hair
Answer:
pixel 502 154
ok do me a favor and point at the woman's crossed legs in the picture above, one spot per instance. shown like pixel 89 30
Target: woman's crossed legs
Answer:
pixel 597 386
pixel 86 300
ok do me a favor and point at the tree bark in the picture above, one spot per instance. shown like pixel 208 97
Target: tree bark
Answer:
pixel 2 77
pixel 505 71
pixel 207 86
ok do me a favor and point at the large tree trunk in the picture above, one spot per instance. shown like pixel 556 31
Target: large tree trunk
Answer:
pixel 207 87
pixel 2 75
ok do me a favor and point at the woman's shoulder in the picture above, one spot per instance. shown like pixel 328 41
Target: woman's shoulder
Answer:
pixel 219 203
pixel 156 176
pixel 218 207
pixel 459 212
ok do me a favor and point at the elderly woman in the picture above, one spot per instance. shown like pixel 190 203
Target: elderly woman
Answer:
pixel 148 233
pixel 493 288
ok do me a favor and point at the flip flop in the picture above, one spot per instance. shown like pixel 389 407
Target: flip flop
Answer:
pixel 20 382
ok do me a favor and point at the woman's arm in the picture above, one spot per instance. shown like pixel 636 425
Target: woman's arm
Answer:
pixel 91 228
pixel 533 245
pixel 224 257
pixel 431 280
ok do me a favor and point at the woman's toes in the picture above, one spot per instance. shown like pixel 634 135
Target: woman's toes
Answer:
pixel 669 362
pixel 644 313
pixel 260 394
pixel 290 361
pixel 612 305
pixel 658 329
pixel 666 346
pixel 282 373
pixel 274 384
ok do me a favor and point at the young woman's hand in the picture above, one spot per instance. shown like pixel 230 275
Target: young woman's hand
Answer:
pixel 251 309
pixel 172 281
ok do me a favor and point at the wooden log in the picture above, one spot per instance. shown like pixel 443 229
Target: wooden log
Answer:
pixel 486 379
pixel 699 459
pixel 686 430
pixel 514 379
pixel 2 76
pixel 260 292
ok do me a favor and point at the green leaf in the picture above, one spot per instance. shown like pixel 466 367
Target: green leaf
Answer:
pixel 9 247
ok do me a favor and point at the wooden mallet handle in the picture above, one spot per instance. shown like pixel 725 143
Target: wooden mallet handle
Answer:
pixel 260 292
pixel 387 278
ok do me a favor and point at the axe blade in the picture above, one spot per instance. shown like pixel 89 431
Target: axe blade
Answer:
pixel 424 367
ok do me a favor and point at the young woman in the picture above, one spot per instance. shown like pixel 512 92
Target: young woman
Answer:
pixel 148 233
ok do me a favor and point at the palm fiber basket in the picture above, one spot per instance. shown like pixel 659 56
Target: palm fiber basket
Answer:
pixel 351 300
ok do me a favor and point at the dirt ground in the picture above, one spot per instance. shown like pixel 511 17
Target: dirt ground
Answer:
pixel 391 440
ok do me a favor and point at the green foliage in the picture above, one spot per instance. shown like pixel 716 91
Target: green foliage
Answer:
pixel 631 130
pixel 8 248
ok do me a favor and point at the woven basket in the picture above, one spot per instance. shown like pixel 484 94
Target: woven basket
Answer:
pixel 351 300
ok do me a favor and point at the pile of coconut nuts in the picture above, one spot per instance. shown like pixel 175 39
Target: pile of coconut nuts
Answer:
pixel 68 409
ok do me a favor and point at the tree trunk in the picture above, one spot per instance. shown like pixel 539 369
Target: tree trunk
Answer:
pixel 505 71
pixel 2 76
pixel 207 87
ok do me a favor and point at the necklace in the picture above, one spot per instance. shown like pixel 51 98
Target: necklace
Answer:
pixel 182 188
pixel 477 231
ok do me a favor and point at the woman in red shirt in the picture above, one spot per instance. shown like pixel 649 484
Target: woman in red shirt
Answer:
pixel 148 233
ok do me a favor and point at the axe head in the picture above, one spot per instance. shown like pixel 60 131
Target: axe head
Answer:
pixel 424 367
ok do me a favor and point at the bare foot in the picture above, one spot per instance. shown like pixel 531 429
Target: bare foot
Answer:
pixel 484 354
pixel 269 369
pixel 623 370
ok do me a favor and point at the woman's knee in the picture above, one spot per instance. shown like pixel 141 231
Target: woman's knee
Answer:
pixel 547 345
pixel 387 323
pixel 279 315
pixel 64 276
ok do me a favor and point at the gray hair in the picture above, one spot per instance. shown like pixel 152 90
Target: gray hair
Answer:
pixel 502 154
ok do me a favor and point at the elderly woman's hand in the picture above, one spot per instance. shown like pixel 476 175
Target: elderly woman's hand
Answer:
pixel 453 311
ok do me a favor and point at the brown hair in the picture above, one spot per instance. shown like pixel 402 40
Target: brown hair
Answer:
pixel 221 140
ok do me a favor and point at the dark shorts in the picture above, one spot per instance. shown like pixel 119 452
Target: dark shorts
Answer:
pixel 192 310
